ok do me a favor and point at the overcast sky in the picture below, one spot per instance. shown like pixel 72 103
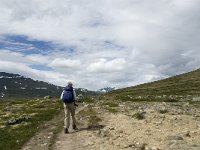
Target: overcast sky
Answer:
pixel 99 43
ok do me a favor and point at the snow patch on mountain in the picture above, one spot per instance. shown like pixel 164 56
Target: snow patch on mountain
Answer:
pixel 106 89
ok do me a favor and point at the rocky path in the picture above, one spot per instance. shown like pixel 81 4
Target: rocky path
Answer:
pixel 175 129
pixel 82 139
pixel 44 138
pixel 164 127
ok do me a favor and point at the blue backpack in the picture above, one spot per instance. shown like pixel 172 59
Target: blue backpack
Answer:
pixel 68 96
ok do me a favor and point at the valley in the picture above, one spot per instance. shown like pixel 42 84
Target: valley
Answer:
pixel 161 115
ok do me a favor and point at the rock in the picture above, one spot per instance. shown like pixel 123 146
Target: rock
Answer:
pixel 18 120
pixel 198 126
pixel 151 148
pixel 174 137
pixel 187 134
pixel 173 145
pixel 104 133
pixel 180 145
pixel 155 148
pixel 147 148
pixel 120 131
pixel 117 144
pixel 59 142
pixel 125 146
pixel 112 128
pixel 89 143
pixel 44 144
pixel 151 111
pixel 158 123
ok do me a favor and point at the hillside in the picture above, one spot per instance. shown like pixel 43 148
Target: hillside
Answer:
pixel 14 86
pixel 107 121
pixel 182 86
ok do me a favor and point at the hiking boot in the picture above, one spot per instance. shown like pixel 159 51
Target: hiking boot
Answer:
pixel 66 131
pixel 74 127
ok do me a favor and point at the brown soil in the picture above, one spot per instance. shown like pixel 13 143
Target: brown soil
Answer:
pixel 176 129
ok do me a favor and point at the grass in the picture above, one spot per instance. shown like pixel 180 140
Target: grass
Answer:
pixel 58 129
pixel 111 110
pixel 87 112
pixel 163 111
pixel 139 115
pixel 110 104
pixel 195 104
pixel 171 88
pixel 14 136
pixel 88 99
pixel 91 115
pixel 93 121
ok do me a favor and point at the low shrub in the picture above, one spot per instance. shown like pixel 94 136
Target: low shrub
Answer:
pixel 139 115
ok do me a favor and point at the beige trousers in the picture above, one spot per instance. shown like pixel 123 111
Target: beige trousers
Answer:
pixel 69 110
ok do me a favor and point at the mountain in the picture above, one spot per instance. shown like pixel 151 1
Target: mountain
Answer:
pixel 105 90
pixel 179 87
pixel 14 86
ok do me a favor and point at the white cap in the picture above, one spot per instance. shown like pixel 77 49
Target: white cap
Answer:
pixel 70 83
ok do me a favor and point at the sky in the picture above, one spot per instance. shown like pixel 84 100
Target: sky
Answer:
pixel 99 43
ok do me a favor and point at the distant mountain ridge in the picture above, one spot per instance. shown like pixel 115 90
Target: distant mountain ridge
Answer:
pixel 15 86
pixel 106 89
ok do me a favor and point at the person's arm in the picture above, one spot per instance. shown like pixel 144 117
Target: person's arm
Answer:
pixel 74 93
pixel 61 96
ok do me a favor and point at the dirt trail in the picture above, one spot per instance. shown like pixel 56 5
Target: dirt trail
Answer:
pixel 178 128
pixel 82 139
pixel 44 139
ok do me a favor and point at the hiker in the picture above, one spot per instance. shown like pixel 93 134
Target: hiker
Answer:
pixel 68 97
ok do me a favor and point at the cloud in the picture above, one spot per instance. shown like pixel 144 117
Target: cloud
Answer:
pixel 11 56
pixel 65 63
pixel 113 43
pixel 39 59
pixel 104 66
pixel 22 69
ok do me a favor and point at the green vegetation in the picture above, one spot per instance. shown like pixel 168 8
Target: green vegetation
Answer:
pixel 112 110
pixel 91 115
pixel 58 129
pixel 173 89
pixel 88 99
pixel 14 136
pixel 93 122
pixel 139 115
pixel 163 111
pixel 195 104
pixel 87 112
pixel 143 146
pixel 110 103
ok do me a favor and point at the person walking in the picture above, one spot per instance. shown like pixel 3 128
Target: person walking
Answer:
pixel 68 97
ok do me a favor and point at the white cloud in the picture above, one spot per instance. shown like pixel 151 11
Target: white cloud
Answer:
pixel 23 69
pixel 128 41
pixel 65 63
pixel 7 55
pixel 39 59
pixel 104 66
